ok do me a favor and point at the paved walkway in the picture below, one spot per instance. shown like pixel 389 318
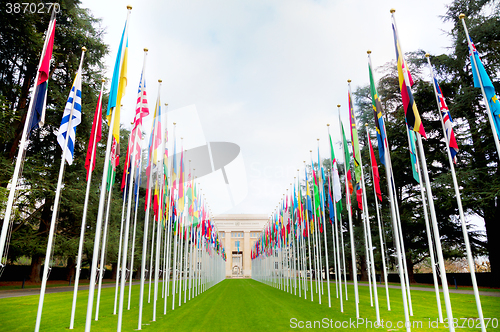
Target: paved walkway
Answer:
pixel 431 289
pixel 36 291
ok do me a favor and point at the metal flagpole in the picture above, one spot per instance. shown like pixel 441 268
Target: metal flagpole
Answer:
pixel 351 230
pixel 145 238
pixel 133 240
pixel 103 252
pixel 85 206
pixel 326 242
pixel 364 213
pixel 368 229
pixel 309 244
pixel 118 265
pixel 395 218
pixel 470 259
pixel 100 211
pixel 55 208
pixel 22 145
pixel 382 248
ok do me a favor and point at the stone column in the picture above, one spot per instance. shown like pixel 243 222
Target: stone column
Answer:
pixel 247 269
pixel 229 252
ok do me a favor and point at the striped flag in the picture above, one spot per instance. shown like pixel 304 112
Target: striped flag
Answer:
pixel 356 153
pixel 448 121
pixel 379 120
pixel 141 111
pixel 40 94
pixel 73 108
pixel 118 83
pixel 376 175
pixel 413 119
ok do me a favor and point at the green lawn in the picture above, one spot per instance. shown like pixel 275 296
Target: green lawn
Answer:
pixel 235 305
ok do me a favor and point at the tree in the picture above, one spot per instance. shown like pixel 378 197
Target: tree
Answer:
pixel 20 48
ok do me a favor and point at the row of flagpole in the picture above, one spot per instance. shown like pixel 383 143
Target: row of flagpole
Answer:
pixel 288 227
pixel 199 263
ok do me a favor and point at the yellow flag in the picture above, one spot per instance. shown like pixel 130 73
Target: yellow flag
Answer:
pixel 121 92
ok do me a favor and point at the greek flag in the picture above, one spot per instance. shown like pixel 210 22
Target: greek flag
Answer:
pixel 74 109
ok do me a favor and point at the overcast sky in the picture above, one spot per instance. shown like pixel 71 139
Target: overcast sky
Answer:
pixel 266 75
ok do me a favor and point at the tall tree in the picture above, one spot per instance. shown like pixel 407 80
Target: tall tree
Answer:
pixel 20 47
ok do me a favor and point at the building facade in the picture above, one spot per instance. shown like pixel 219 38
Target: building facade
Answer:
pixel 238 233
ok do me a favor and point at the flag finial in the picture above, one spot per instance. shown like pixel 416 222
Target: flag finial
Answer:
pixel 461 16
pixel 145 50
pixel 84 49
pixel 328 125
pixel 366 124
pixel 159 81
pixel 427 55
pixel 129 7
pixel 348 81
pixel 369 52
pixel 338 105
pixel 103 80
pixel 318 139
pixel 392 10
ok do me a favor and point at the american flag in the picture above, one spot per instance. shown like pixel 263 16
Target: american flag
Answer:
pixel 448 121
pixel 141 111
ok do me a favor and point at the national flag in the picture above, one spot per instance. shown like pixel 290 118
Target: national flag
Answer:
pixel 359 196
pixel 489 89
pixel 347 160
pixel 40 94
pixel 447 121
pixel 95 137
pixel 413 119
pixel 379 120
pixel 376 176
pixel 73 109
pixel 413 155
pixel 114 161
pixel 118 83
pixel 356 153
pixel 141 111
pixel 181 183
pixel 154 143
pixel 337 190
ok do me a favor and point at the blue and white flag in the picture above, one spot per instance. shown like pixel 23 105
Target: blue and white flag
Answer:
pixel 73 107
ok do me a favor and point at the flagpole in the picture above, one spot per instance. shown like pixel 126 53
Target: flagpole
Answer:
pixel 309 240
pixel 351 230
pixel 55 208
pixel 367 226
pixel 470 259
pixel 103 253
pixel 326 243
pixel 120 242
pixel 382 248
pixel 335 230
pixel 22 146
pixel 487 104
pixel 84 217
pixel 133 238
pixel 100 212
pixel 395 217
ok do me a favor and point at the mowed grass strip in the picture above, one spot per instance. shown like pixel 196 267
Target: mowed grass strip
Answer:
pixel 238 305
